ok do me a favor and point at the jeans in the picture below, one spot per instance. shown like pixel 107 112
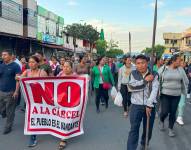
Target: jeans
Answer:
pixel 137 114
pixel 126 96
pixel 169 105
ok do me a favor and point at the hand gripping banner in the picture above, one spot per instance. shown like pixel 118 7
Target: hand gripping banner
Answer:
pixel 55 105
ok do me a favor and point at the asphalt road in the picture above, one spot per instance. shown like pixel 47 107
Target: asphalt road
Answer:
pixel 105 131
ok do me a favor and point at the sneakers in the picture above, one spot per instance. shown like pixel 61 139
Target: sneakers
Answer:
pixel 189 102
pixel 7 130
pixel 102 103
pixel 188 96
pixel 161 126
pixel 171 133
pixel 179 120
pixel 33 141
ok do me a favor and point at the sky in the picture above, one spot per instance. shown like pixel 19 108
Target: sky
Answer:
pixel 119 17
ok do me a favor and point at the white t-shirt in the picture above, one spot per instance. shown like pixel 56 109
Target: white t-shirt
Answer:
pixel 101 80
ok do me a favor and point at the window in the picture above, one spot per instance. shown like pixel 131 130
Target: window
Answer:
pixel 166 41
pixel 41 24
pixel 67 39
pixel 175 41
pixel 51 27
pixel 32 18
pixel 59 29
pixel 47 28
pixel 12 11
pixel 187 41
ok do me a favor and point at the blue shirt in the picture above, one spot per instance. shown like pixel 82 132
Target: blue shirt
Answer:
pixel 7 76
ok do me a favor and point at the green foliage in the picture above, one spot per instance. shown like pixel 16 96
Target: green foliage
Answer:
pixel 86 32
pixel 114 52
pixel 158 50
pixel 101 46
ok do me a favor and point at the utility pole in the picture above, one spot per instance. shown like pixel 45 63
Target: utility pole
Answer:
pixel 154 32
pixel 152 63
pixel 130 43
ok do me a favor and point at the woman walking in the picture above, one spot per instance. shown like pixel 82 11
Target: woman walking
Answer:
pixel 34 71
pixel 67 71
pixel 123 78
pixel 173 83
pixel 102 79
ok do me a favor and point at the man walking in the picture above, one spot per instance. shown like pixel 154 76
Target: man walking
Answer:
pixel 9 88
pixel 144 87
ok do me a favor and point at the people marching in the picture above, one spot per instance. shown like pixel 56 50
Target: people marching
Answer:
pixel 146 90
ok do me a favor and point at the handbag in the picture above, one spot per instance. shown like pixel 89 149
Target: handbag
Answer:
pixel 106 85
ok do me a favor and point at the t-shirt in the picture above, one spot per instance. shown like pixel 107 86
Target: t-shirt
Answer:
pixel 101 76
pixel 46 68
pixel 172 82
pixel 7 76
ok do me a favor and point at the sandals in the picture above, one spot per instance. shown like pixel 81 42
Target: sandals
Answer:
pixel 62 145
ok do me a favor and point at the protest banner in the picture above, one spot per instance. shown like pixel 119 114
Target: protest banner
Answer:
pixel 55 105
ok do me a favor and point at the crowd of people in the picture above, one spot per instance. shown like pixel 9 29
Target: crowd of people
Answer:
pixel 148 90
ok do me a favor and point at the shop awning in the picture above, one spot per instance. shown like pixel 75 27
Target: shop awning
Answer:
pixel 55 46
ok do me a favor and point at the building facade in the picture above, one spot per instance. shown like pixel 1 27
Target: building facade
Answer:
pixel 26 27
pixel 173 40
pixel 11 17
pixel 186 40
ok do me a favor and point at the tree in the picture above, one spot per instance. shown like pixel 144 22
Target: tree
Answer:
pixel 74 30
pixel 101 46
pixel 159 50
pixel 114 52
pixel 84 32
pixel 90 34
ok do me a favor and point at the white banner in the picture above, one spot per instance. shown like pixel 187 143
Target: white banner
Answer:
pixel 55 105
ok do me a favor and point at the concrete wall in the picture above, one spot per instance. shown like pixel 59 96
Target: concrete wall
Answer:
pixel 19 1
pixel 11 27
pixel 32 4
pixel 30 31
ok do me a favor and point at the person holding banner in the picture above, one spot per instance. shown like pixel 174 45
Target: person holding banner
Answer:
pixel 103 80
pixel 34 71
pixel 144 86
pixel 67 71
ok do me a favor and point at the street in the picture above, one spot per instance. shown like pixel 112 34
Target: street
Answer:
pixel 105 131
